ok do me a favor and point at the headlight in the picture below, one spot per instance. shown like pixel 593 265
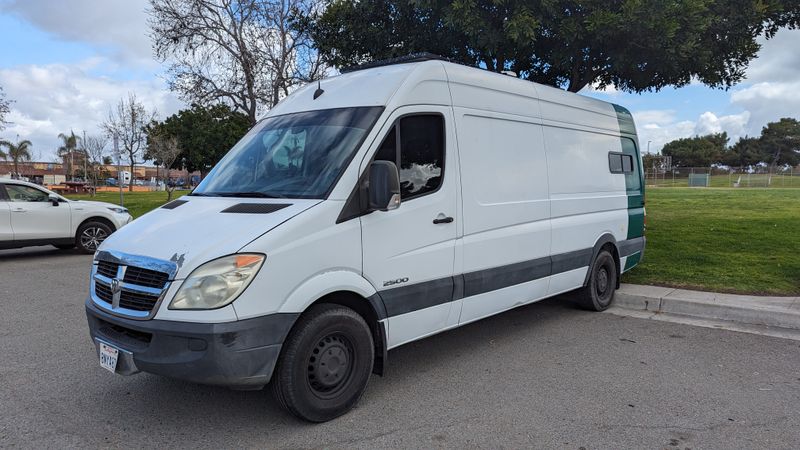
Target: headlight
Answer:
pixel 218 282
pixel 119 210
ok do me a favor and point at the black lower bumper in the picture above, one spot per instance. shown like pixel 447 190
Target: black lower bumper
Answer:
pixel 239 354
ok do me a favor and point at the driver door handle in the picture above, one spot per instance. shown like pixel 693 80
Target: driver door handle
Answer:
pixel 19 210
pixel 439 220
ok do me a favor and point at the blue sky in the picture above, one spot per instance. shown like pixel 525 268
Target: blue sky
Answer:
pixel 66 63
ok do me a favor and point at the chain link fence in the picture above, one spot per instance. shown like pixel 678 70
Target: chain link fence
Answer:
pixel 761 177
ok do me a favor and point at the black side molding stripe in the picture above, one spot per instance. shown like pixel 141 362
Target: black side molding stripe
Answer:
pixel 630 246
pixel 414 297
pixel 488 280
pixel 418 296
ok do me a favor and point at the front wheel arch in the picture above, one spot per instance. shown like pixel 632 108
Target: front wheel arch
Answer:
pixel 92 220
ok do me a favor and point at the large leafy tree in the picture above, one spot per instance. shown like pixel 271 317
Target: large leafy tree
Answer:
pixel 21 151
pixel 698 151
pixel 780 143
pixel 746 152
pixel 204 134
pixel 635 45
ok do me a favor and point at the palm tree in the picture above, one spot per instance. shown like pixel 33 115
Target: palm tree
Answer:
pixel 70 144
pixel 19 152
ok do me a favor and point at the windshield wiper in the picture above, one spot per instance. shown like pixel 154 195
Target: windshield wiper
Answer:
pixel 249 194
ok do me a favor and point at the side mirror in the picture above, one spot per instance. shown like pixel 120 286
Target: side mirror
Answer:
pixel 384 186
pixel 53 199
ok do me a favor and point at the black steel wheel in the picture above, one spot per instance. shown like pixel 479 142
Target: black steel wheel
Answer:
pixel 598 293
pixel 325 363
pixel 90 235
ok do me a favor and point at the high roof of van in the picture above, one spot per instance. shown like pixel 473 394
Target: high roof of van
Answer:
pixel 426 82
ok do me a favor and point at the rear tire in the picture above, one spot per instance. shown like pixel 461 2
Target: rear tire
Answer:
pixel 598 293
pixel 325 363
pixel 90 235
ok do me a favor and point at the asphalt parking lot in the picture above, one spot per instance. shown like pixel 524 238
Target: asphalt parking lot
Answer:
pixel 545 376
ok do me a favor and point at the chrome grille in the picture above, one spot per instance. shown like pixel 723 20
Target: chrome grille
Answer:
pixel 145 277
pixel 139 289
pixel 107 269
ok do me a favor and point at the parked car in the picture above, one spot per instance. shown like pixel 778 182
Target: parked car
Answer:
pixel 365 212
pixel 32 215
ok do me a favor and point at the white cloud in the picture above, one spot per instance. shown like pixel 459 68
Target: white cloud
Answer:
pixel 119 26
pixel 768 102
pixel 734 124
pixel 659 127
pixel 57 98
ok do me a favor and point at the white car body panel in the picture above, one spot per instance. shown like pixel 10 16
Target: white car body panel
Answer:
pixel 37 223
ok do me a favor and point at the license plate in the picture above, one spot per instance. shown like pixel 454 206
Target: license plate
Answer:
pixel 108 357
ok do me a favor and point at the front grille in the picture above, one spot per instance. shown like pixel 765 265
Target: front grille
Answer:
pixel 137 301
pixel 134 300
pixel 108 269
pixel 123 335
pixel 145 277
pixel 103 292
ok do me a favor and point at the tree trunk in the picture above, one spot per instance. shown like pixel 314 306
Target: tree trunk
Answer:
pixel 130 185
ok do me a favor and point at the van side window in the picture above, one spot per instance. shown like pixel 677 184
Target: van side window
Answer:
pixel 632 178
pixel 421 156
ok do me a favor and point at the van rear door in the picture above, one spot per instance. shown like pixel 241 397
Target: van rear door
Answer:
pixel 409 252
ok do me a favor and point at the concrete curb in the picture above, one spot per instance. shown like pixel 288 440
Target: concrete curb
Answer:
pixel 780 312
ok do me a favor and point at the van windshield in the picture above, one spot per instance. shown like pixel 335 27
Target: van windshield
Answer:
pixel 298 155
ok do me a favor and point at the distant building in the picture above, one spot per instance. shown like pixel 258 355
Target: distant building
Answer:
pixel 47 173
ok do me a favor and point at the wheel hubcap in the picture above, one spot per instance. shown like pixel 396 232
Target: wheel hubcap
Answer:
pixel 330 365
pixel 92 237
pixel 602 280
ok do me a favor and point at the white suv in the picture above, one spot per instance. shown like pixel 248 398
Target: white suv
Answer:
pixel 32 215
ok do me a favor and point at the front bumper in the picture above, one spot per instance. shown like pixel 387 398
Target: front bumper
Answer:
pixel 239 354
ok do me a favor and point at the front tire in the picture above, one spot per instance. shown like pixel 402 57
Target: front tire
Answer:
pixel 325 363
pixel 598 293
pixel 90 235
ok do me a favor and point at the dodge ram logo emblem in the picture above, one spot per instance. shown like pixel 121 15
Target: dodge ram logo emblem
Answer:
pixel 116 292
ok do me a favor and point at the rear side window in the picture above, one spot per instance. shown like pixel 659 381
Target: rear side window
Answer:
pixel 420 159
pixel 3 196
pixel 633 179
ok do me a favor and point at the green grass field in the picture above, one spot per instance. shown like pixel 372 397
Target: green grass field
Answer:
pixel 137 203
pixel 724 240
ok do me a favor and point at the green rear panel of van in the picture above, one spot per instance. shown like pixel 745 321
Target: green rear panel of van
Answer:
pixel 630 146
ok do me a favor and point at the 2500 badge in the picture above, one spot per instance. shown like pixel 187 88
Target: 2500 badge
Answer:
pixel 393 282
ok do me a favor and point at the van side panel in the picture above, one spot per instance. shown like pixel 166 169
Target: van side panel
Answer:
pixel 587 200
pixel 506 211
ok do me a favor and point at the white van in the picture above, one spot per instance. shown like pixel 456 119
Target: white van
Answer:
pixel 365 212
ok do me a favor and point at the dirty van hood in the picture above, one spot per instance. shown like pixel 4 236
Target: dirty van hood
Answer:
pixel 198 231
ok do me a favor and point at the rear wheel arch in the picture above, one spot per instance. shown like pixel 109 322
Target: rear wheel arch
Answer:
pixel 609 242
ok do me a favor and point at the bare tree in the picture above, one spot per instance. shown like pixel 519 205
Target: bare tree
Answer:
pixel 247 53
pixel 126 123
pixel 5 108
pixel 95 147
pixel 164 151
